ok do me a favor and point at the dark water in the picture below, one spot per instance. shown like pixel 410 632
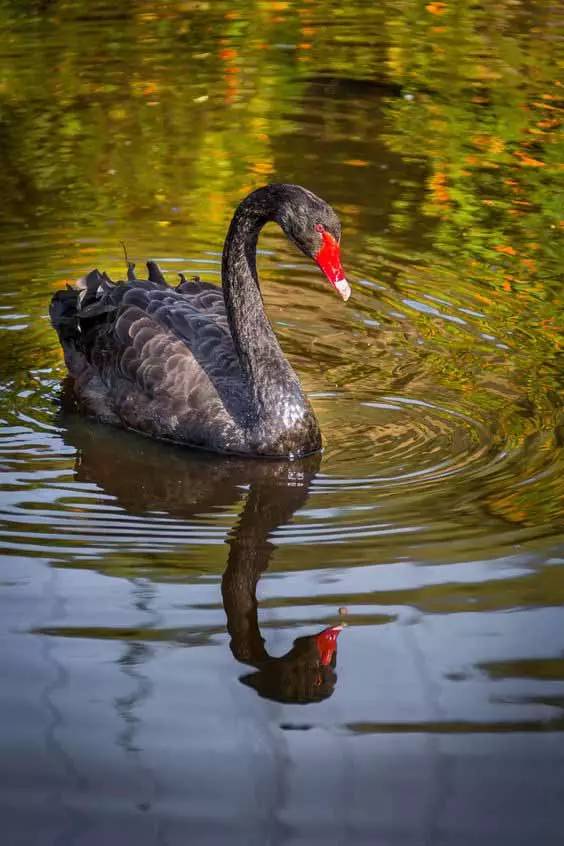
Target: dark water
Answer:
pixel 145 697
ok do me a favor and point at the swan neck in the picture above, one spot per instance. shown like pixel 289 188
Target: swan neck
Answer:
pixel 280 418
pixel 261 357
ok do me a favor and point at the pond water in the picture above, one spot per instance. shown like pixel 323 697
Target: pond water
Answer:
pixel 159 608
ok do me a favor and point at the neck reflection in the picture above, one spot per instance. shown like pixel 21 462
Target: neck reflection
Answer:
pixel 307 672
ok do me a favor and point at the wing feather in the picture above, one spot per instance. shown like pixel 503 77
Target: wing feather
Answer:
pixel 161 359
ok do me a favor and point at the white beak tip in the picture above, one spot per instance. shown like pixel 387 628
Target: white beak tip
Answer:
pixel 343 288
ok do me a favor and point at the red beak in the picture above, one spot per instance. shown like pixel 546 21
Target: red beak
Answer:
pixel 329 260
pixel 327 643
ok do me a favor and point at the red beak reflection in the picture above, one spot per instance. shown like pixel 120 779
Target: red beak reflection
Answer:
pixel 329 260
pixel 327 643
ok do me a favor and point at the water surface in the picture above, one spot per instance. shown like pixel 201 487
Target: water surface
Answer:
pixel 158 607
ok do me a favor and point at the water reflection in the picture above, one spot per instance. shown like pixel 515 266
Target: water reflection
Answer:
pixel 144 477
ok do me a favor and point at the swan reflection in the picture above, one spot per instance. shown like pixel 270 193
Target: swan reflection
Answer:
pixel 143 476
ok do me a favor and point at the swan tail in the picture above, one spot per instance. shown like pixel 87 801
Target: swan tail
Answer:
pixel 74 302
pixel 63 311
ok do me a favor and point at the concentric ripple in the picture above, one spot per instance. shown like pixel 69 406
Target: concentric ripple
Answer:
pixel 398 441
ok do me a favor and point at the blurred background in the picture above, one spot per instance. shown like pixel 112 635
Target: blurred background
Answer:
pixel 148 694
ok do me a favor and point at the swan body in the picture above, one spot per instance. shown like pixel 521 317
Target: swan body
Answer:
pixel 199 364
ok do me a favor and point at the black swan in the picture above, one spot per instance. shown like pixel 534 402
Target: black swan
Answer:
pixel 197 364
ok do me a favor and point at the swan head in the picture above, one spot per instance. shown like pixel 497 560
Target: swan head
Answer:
pixel 312 225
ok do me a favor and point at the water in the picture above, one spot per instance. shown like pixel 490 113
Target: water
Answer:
pixel 150 597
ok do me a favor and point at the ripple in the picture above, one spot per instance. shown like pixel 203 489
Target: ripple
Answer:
pixel 398 440
pixel 448 447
